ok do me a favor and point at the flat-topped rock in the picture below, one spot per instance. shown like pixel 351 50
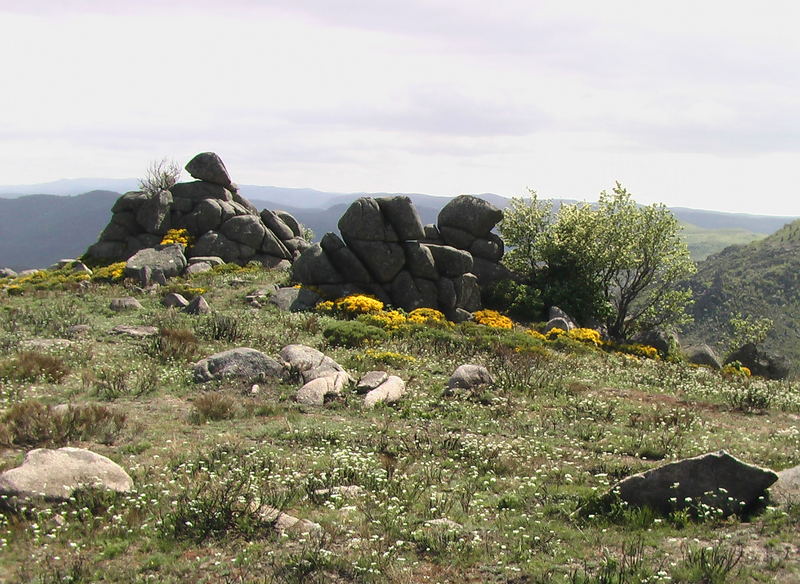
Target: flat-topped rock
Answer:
pixel 242 363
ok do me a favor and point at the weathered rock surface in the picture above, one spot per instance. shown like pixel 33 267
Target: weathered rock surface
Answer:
pixel 242 363
pixel 283 522
pixel 715 479
pixel 761 362
pixel 320 389
pixel 309 363
pixel 209 167
pixel 470 376
pixel 371 380
pixel 786 490
pixel 175 300
pixel 136 331
pixel 663 341
pixel 388 392
pixel 57 474
pixel 294 299
pixel 702 355
pixel 127 303
pixel 169 260
pixel 197 305
pixel 46 344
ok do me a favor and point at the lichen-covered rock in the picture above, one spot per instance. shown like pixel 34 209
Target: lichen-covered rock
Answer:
pixel 216 244
pixel 450 262
pixel 136 331
pixel 383 259
pixel 198 305
pixel 403 216
pixel 153 214
pixel 242 363
pixel 370 381
pixel 388 392
pixel 469 376
pixel 294 299
pixel 209 167
pixel 363 220
pixel 57 474
pixel 127 303
pixel 717 479
pixel 175 300
pixel 309 363
pixel 169 260
pixel 198 190
pixel 314 267
pixel 321 389
pixel 761 362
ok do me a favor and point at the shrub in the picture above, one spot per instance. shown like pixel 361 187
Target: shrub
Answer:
pixel 34 424
pixel 390 358
pixel 180 236
pixel 110 273
pixel 352 305
pixel 34 366
pixel 522 301
pixel 174 345
pixel 353 334
pixel 223 327
pixel 110 383
pixel 493 319
pixel 426 316
pixel 214 406
pixel 389 320
pixel 161 175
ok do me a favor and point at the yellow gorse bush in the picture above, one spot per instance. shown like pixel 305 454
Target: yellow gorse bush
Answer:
pixel 493 319
pixel 586 335
pixel 352 305
pixel 388 319
pixel 180 236
pixel 112 273
pixel 425 315
pixel 736 369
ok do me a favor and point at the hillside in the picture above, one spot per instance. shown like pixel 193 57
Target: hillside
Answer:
pixel 498 483
pixel 761 279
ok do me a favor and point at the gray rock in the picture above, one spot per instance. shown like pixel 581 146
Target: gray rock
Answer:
pixel 558 323
pixel 129 202
pixel 786 491
pixel 443 524
pixel 468 293
pixel 314 267
pixel 403 216
pixel 46 344
pixel 716 479
pixel 447 294
pixel 175 300
pixel 30 272
pixel 309 363
pixel 81 268
pixel 242 363
pixel 383 259
pixel 702 355
pixel 273 246
pixel 285 523
pixel 294 299
pixel 371 380
pixel 662 340
pixel 213 260
pixel 405 294
pixel 432 234
pixel 490 248
pixel 460 315
pixel 363 220
pixel 345 261
pixel 197 268
pixel 276 225
pixel 7 273
pixel 197 305
pixel 296 246
pixel 57 474
pixel 246 229
pixel 216 244
pixel 181 205
pixel 243 202
pixel 455 237
pixel 78 330
pixel 115 232
pixel 419 260
pixel 291 222
pixel 488 272
pixel 450 262
pixel 206 216
pixel 153 214
pixel 107 250
pixel 209 167
pixel 761 362
pixel 388 392
pixel 316 391
pixel 127 303
pixel 470 376
pixel 556 312
pixel 136 331
pixel 271 262
pixel 198 190
pixel 169 260
pixel 471 214
pixel 126 220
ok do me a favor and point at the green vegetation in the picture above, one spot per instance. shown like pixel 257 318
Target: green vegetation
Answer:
pixel 518 467
pixel 615 262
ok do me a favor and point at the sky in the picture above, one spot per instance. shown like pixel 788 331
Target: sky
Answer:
pixel 693 104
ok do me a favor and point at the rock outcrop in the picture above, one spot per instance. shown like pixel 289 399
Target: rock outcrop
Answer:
pixel 760 362
pixel 386 251
pixel 221 222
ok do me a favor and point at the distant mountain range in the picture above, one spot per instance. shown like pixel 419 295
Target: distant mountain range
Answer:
pixel 42 223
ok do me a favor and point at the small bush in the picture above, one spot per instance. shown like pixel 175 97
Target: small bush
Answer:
pixel 223 327
pixel 109 383
pixel 213 406
pixel 708 565
pixel 750 396
pixel 34 366
pixel 174 345
pixel 161 175
pixel 34 424
pixel 521 301
pixel 353 334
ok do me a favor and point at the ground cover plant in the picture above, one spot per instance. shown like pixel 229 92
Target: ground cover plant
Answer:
pixel 501 484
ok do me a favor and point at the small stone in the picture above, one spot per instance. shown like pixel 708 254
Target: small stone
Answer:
pixel 470 377
pixel 371 380
pixel 198 305
pixel 127 303
pixel 175 300
pixel 388 392
pixel 135 331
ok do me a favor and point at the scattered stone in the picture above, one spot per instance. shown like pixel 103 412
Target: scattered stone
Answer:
pixel 198 305
pixel 760 362
pixel 197 268
pixel 388 392
pixel 213 260
pixel 175 300
pixel 716 479
pixel 169 260
pixel 702 355
pixel 470 377
pixel 786 489
pixel 135 331
pixel 558 323
pixel 309 363
pixel 127 303
pixel 46 344
pixel 242 363
pixel 57 474
pixel 283 522
pixel 294 299
pixel 77 330
pixel 318 390
pixel 371 380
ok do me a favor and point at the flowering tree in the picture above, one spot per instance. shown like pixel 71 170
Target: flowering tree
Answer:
pixel 615 262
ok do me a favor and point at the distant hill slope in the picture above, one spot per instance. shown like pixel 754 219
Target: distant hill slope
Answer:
pixel 761 279
pixel 36 230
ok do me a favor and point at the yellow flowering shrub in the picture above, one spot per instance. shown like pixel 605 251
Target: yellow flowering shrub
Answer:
pixel 493 319
pixel 386 319
pixel 352 305
pixel 325 306
pixel 180 236
pixel 535 334
pixel 586 335
pixel 554 333
pixel 736 369
pixel 111 273
pixel 638 350
pixel 426 315
pixel 390 358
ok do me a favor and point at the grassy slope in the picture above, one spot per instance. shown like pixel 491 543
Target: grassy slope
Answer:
pixel 513 464
pixel 758 279
pixel 703 242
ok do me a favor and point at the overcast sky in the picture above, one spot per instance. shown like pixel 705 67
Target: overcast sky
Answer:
pixel 688 103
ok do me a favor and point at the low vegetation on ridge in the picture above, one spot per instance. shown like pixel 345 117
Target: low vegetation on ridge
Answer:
pixel 498 484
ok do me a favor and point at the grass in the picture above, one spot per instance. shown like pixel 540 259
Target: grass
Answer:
pixel 519 467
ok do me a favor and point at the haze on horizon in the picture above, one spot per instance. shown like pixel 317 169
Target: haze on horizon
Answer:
pixel 689 104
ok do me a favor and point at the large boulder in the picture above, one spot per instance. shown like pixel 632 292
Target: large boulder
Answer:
pixel 345 261
pixel 321 389
pixel 309 363
pixel 469 376
pixel 314 267
pixel 153 214
pixel 364 220
pixel 450 262
pixel 209 167
pixel 786 490
pixel 717 479
pixel 390 391
pixel 702 355
pixel 661 340
pixel 198 190
pixel 246 229
pixel 470 214
pixel 403 216
pixel 216 244
pixel 760 362
pixel 242 363
pixel 57 474
pixel 383 259
pixel 294 299
pixel 169 260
